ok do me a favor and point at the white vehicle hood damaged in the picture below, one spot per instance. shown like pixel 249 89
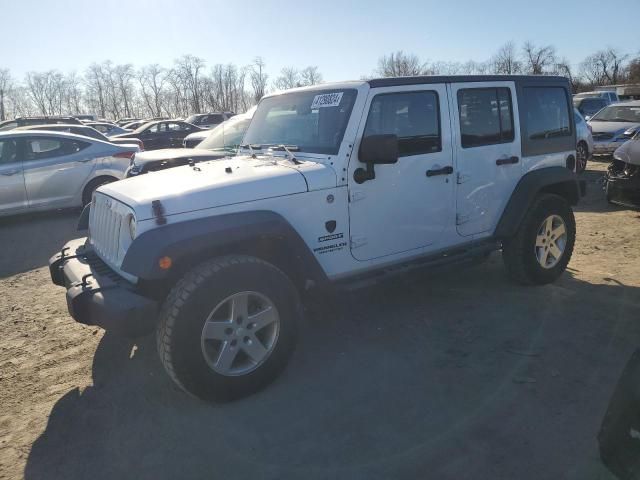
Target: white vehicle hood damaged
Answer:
pixel 218 183
pixel 629 152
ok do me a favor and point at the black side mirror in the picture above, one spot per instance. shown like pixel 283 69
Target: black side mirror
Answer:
pixel 382 149
pixel 376 149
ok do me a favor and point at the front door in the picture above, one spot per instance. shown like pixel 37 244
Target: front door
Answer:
pixel 407 205
pixel 55 169
pixel 13 197
pixel 487 150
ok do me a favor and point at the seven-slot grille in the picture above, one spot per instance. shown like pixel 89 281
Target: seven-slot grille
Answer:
pixel 107 218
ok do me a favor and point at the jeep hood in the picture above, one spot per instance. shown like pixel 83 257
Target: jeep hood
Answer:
pixel 628 152
pixel 218 183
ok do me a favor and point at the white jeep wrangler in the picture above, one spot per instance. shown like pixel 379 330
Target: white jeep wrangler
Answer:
pixel 336 184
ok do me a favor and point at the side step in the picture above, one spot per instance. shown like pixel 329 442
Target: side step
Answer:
pixel 461 255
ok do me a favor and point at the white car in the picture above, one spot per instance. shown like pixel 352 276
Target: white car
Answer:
pixel 614 125
pixel 584 139
pixel 335 186
pixel 43 170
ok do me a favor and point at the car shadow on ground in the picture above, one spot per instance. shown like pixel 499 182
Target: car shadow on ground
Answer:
pixel 30 240
pixel 450 376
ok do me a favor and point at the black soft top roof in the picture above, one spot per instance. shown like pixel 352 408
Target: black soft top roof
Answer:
pixel 427 79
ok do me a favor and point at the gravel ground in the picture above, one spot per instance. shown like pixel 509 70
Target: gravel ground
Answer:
pixel 452 375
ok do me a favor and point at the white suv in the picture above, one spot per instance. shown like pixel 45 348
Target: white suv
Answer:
pixel 336 185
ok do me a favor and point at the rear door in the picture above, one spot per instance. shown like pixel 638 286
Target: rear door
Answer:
pixel 153 136
pixel 487 149
pixel 13 196
pixel 55 169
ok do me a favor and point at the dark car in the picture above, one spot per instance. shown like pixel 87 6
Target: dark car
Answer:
pixel 161 133
pixel 589 106
pixel 26 121
pixel 123 121
pixel 222 141
pixel 86 131
pixel 135 124
pixel 209 120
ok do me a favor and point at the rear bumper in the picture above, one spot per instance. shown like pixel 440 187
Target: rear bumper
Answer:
pixel 96 295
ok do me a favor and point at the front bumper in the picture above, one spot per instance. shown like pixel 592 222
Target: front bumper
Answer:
pixel 622 184
pixel 96 295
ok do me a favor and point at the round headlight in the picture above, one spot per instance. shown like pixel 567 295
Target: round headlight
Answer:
pixel 132 226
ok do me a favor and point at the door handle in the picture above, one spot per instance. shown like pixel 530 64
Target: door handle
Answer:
pixel 448 170
pixel 8 173
pixel 507 161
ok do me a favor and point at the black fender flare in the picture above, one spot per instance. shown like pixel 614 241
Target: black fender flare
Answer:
pixel 558 180
pixel 193 241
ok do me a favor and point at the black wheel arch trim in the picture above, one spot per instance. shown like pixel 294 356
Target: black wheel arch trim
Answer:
pixel 193 241
pixel 558 180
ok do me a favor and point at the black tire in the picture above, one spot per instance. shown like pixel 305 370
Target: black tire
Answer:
pixel 190 302
pixel 519 252
pixel 582 155
pixel 92 186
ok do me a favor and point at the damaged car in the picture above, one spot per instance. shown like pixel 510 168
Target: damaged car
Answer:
pixel 614 125
pixel 622 180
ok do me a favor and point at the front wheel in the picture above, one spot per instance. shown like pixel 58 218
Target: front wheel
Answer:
pixel 542 247
pixel 228 327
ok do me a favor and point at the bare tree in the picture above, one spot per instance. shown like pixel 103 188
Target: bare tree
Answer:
pixel 96 90
pixel 188 70
pixel 258 78
pixel 6 84
pixel 123 78
pixel 289 78
pixel 505 60
pixel 400 64
pixel 538 59
pixel 72 93
pixel 310 76
pixel 152 79
pixel 605 67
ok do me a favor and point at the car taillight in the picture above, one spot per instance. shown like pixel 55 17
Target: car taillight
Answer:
pixel 126 155
pixel 141 145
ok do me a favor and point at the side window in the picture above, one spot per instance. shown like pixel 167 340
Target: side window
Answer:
pixel 40 148
pixel 547 113
pixel 154 128
pixel 486 116
pixel 8 151
pixel 175 127
pixel 413 116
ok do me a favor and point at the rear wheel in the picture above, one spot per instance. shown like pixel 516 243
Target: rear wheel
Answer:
pixel 582 154
pixel 92 186
pixel 542 247
pixel 228 327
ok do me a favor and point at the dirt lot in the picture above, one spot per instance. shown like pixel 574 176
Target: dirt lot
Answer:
pixel 449 376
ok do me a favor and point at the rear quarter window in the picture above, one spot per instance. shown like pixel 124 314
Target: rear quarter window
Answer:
pixel 546 117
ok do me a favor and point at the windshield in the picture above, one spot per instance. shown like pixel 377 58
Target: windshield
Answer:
pixel 227 135
pixel 314 121
pixel 618 113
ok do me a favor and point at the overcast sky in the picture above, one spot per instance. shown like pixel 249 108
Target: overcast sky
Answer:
pixel 343 38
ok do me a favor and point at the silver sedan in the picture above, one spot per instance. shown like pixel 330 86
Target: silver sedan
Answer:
pixel 43 170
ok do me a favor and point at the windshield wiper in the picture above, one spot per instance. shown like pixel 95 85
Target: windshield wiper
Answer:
pixel 288 149
pixel 251 148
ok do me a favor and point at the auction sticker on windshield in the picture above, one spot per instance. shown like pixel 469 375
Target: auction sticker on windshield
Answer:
pixel 326 100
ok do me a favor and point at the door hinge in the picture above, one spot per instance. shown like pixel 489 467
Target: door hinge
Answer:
pixel 462 218
pixel 356 195
pixel 358 241
pixel 462 177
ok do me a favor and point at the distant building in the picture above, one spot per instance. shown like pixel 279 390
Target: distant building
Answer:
pixel 630 91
